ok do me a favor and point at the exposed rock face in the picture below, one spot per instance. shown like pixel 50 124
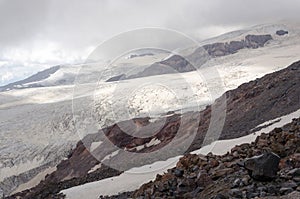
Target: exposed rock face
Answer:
pixel 116 78
pixel 140 55
pixel 274 95
pixel 250 41
pixel 256 41
pixel 235 46
pixel 220 177
pixel 216 50
pixel 178 64
pixel 282 32
pixel 263 167
pixel 264 99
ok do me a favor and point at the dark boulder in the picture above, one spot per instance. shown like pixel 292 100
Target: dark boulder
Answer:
pixel 263 167
pixel 282 32
pixel 179 173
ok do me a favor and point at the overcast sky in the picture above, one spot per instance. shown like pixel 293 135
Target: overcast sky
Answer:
pixel 36 34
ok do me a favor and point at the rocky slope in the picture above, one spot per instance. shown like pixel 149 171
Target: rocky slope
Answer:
pixel 178 64
pixel 248 171
pixel 261 100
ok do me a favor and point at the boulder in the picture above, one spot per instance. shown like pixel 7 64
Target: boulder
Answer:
pixel 203 179
pixel 282 32
pixel 263 167
pixel 179 173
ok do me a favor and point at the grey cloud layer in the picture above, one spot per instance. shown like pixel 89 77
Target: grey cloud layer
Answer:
pixel 37 34
pixel 78 23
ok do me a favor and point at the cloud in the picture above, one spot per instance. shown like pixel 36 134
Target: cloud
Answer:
pixel 84 23
pixel 6 77
pixel 63 31
pixel 11 71
pixel 21 20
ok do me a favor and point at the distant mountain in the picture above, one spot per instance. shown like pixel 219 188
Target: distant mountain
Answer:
pixel 32 80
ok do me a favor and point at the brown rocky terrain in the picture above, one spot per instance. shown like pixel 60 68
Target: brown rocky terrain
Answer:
pixel 248 106
pixel 232 175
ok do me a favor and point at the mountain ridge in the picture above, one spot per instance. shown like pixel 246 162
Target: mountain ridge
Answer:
pixel 271 91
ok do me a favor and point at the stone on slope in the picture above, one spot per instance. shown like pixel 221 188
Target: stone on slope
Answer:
pixel 282 32
pixel 263 167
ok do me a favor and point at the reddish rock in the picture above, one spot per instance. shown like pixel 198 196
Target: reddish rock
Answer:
pixel 203 179
pixel 213 163
pixel 221 173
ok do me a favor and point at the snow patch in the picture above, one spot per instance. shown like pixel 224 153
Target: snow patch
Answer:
pixel 95 145
pixel 98 166
pixel 35 181
pixel 111 155
pixel 20 168
pixel 128 181
pixel 221 147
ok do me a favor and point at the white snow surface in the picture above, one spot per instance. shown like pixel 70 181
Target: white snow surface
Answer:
pixel 221 147
pixel 128 181
pixel 34 122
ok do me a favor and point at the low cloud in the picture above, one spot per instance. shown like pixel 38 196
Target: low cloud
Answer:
pixel 66 31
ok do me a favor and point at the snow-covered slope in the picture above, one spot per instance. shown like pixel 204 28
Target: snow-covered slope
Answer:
pixel 66 74
pixel 37 126
pixel 261 29
pixel 132 179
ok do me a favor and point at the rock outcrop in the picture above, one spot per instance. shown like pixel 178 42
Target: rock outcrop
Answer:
pixel 178 64
pixel 212 176
pixel 250 41
pixel 282 32
pixel 116 78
